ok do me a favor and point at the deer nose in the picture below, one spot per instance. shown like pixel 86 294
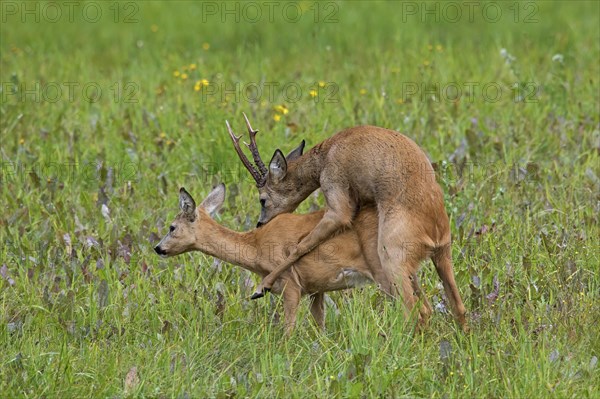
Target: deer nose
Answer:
pixel 159 250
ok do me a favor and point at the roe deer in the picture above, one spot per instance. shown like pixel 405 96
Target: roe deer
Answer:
pixel 343 261
pixel 364 165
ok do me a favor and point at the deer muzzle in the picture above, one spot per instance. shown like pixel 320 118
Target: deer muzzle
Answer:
pixel 160 251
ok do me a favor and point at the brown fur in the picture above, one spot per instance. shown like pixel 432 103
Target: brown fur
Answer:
pixel 345 259
pixel 367 166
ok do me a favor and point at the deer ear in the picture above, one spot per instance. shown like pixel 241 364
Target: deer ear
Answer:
pixel 296 153
pixel 277 166
pixel 214 200
pixel 187 204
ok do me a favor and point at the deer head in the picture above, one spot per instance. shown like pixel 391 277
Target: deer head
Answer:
pixel 277 194
pixel 189 226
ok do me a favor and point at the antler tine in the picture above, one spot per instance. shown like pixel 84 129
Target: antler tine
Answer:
pixel 236 144
pixel 254 149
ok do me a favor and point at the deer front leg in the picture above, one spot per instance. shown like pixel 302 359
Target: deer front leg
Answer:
pixel 317 308
pixel 334 219
pixel 291 300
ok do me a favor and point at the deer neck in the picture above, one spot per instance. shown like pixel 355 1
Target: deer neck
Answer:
pixel 307 171
pixel 238 248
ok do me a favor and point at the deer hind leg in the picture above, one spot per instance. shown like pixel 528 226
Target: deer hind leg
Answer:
pixel 386 283
pixel 368 241
pixel 442 259
pixel 400 252
pixel 317 308
pixel 425 310
pixel 397 262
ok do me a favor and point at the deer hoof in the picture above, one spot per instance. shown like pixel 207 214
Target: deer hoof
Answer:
pixel 260 293
pixel 257 295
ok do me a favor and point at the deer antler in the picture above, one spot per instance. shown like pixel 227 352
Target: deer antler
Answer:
pixel 258 175
pixel 253 148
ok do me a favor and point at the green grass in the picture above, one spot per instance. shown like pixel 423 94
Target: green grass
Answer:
pixel 83 298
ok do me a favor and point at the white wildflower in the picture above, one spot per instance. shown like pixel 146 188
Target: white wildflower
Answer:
pixel 508 57
pixel 105 212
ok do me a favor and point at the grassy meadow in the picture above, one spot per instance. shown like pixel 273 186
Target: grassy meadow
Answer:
pixel 109 107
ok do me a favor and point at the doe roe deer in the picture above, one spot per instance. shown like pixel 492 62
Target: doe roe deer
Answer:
pixel 343 261
pixel 357 167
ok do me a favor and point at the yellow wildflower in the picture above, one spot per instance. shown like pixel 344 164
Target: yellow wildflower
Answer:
pixel 313 93
pixel 321 84
pixel 176 73
pixel 184 76
pixel 162 135
pixel 439 47
pixel 21 141
pixel 281 109
pixel 363 92
pixel 192 67
pixel 205 46
pixel 154 28
pixel 276 117
pixel 200 83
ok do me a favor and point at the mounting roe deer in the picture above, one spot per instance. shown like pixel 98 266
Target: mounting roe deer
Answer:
pixel 343 261
pixel 357 167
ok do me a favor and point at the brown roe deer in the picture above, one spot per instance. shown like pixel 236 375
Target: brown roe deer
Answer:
pixel 357 167
pixel 346 260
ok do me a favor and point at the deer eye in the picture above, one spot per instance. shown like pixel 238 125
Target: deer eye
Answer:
pixel 171 229
pixel 263 202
